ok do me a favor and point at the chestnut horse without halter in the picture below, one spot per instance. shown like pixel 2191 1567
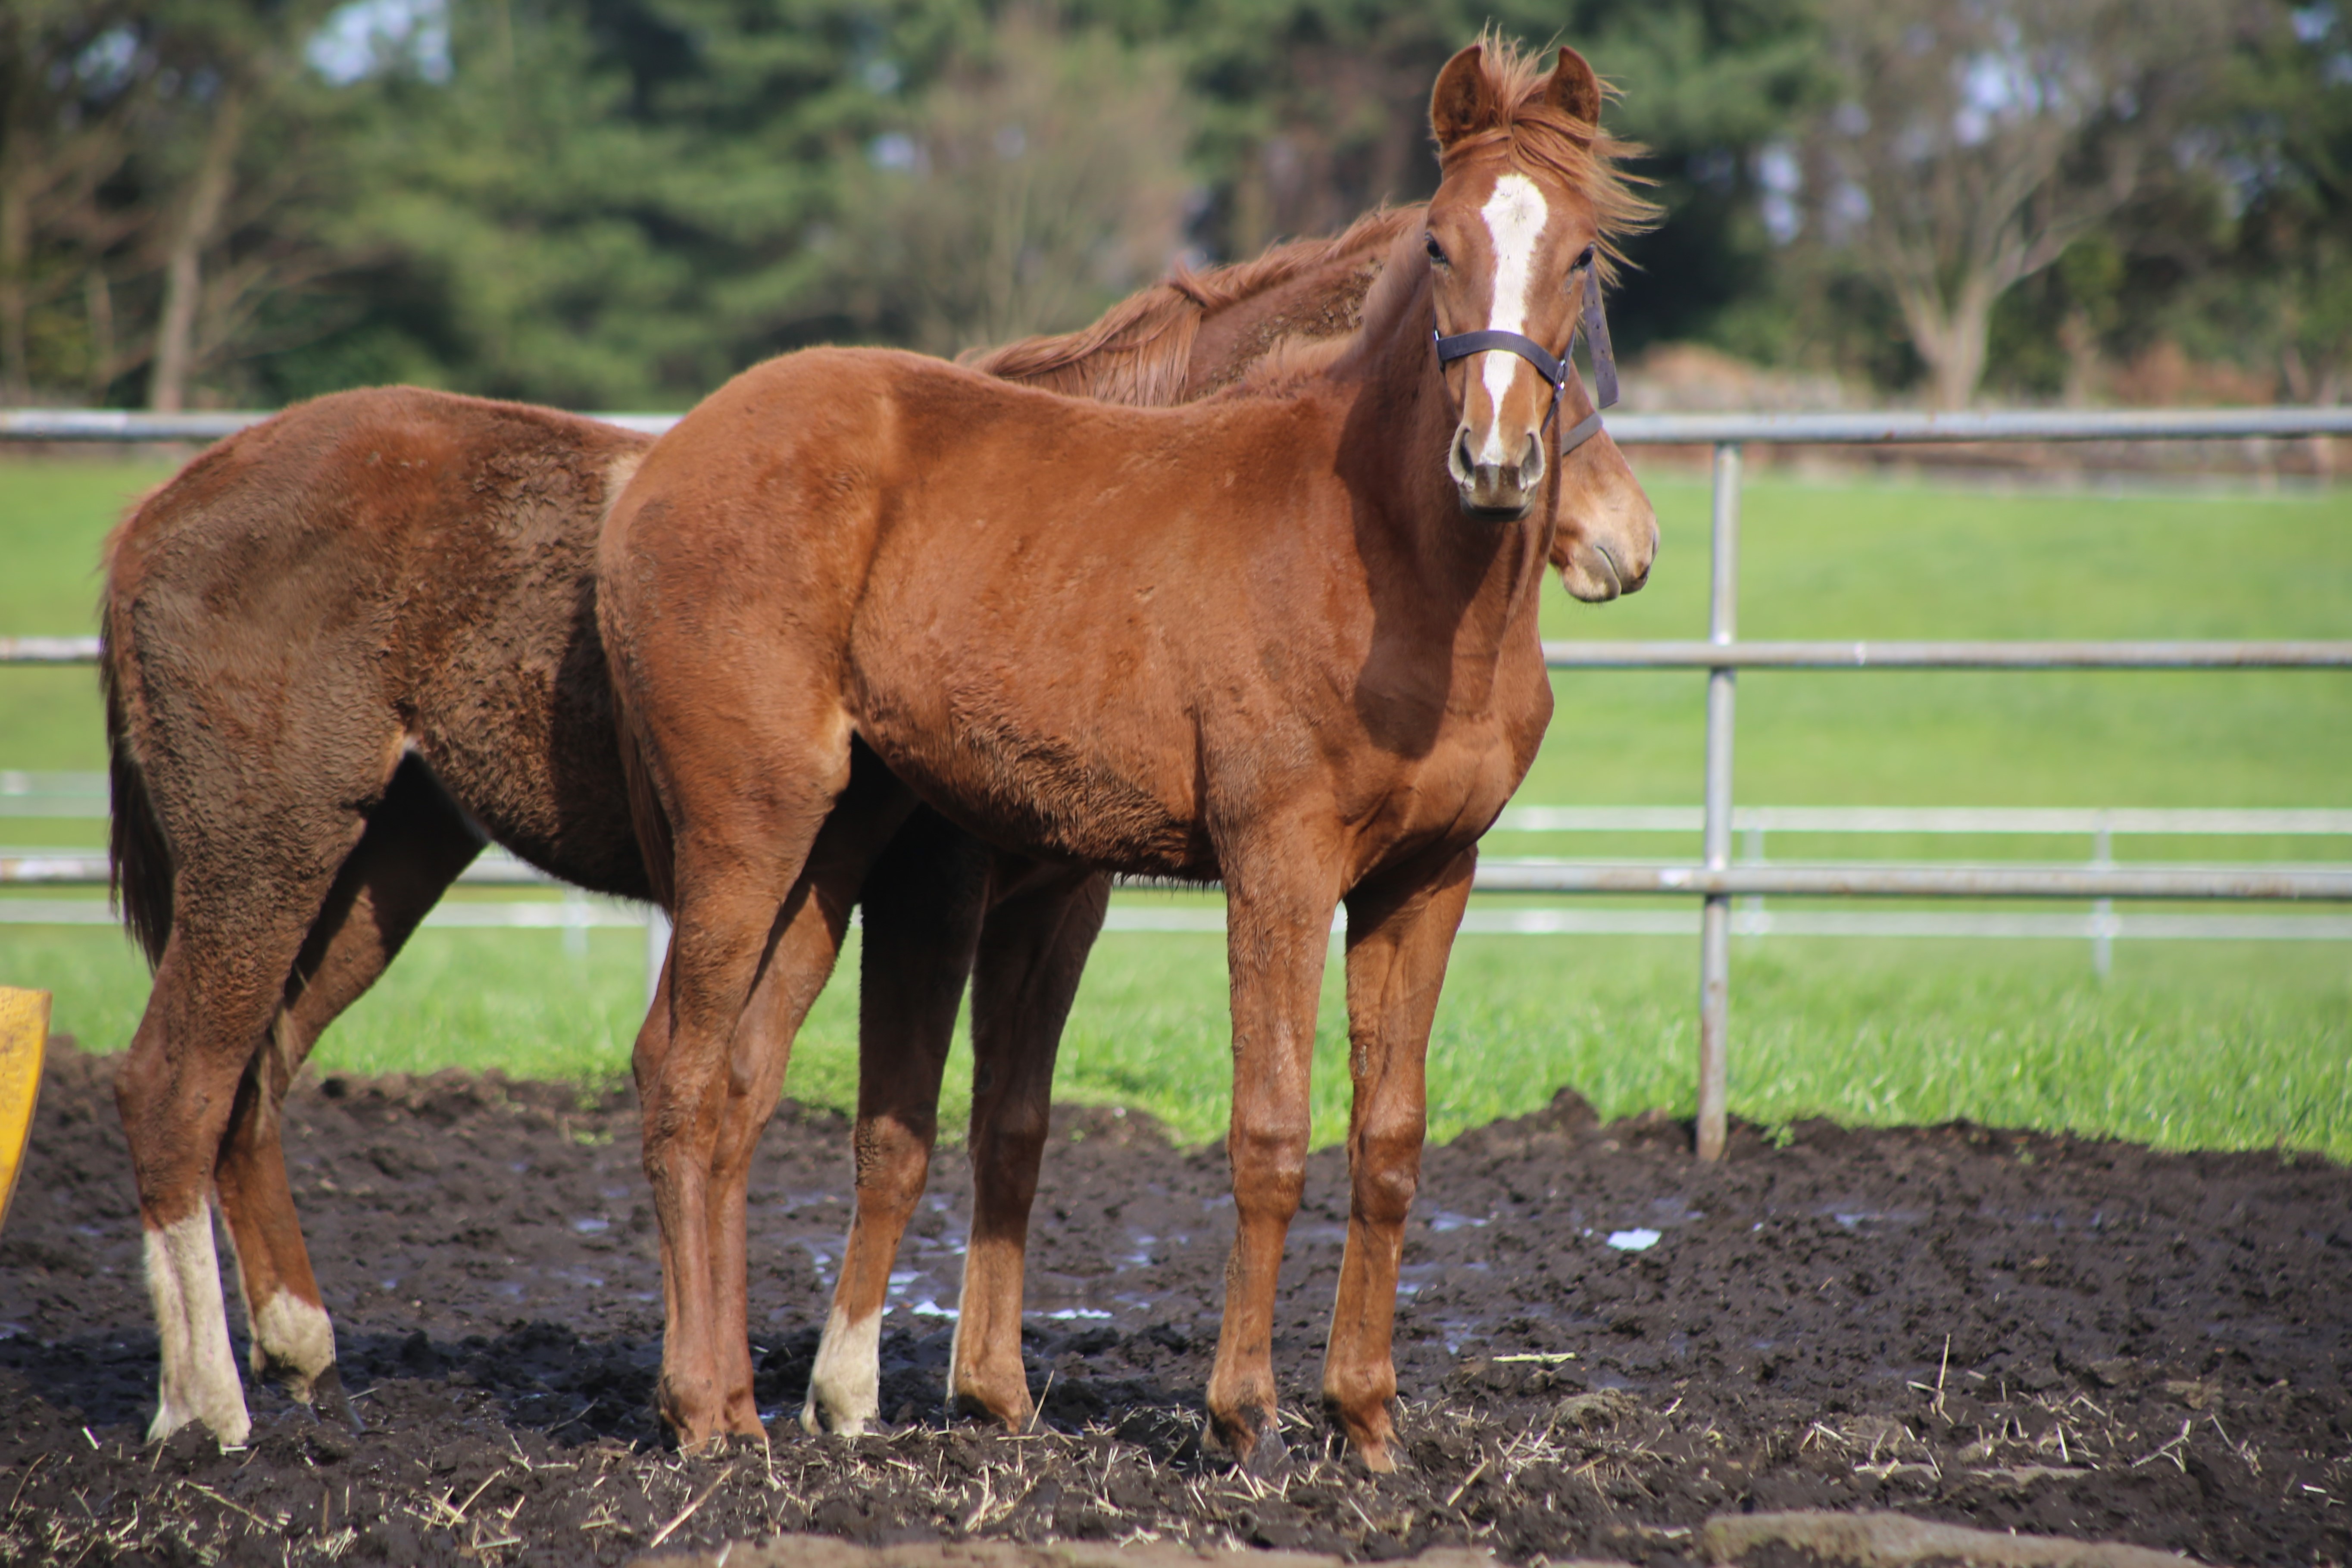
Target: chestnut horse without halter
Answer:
pixel 1285 637
pixel 341 642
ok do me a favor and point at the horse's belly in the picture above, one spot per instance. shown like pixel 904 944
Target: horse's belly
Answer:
pixel 1044 791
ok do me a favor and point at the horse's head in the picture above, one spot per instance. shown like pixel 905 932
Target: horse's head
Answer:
pixel 1606 534
pixel 1519 229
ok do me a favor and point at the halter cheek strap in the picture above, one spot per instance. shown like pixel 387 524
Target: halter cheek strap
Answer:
pixel 1555 372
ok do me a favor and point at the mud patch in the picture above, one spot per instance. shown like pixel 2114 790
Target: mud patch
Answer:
pixel 2010 1332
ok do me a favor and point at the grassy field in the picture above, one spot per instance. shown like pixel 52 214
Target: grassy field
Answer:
pixel 2223 1044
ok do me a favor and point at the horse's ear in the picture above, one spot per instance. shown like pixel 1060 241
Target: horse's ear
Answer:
pixel 1573 90
pixel 1464 102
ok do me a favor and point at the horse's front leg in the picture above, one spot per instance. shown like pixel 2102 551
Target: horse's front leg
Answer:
pixel 732 929
pixel 1033 952
pixel 1277 933
pixel 800 960
pixel 1399 935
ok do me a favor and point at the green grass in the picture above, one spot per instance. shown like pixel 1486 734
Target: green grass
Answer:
pixel 2221 1044
pixel 54 518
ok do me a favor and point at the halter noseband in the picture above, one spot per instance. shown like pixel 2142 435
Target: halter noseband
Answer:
pixel 1555 371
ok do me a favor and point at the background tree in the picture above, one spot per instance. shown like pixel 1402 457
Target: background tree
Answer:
pixel 1973 140
pixel 1026 190
pixel 73 76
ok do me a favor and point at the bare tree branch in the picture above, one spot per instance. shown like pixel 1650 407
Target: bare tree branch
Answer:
pixel 1978 138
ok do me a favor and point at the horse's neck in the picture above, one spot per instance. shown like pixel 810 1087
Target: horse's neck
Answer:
pixel 1403 427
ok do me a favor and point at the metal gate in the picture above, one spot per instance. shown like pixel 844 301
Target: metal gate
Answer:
pixel 1714 878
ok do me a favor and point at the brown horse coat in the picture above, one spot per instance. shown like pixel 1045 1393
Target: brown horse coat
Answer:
pixel 1285 636
pixel 343 645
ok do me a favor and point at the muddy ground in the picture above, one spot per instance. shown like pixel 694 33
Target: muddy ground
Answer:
pixel 2050 1335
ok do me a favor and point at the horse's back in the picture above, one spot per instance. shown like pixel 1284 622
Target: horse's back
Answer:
pixel 367 573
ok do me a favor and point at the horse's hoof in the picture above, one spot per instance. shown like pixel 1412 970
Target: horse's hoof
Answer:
pixel 1269 1457
pixel 330 1402
pixel 1258 1450
pixel 970 1406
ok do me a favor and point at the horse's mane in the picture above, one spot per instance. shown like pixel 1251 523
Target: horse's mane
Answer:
pixel 1140 351
pixel 1536 136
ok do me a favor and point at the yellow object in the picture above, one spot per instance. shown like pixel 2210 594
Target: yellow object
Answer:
pixel 24 1036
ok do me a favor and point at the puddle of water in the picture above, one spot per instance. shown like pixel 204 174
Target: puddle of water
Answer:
pixel 1444 1220
pixel 590 1225
pixel 1073 1314
pixel 1141 1257
pixel 1638 1239
pixel 510 1291
pixel 1457 1333
pixel 927 1308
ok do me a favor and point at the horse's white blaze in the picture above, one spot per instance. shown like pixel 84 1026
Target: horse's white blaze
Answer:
pixel 1515 214
pixel 199 1381
pixel 846 1385
pixel 290 1335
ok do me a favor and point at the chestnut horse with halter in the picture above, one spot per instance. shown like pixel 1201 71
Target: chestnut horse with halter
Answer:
pixel 342 645
pixel 1285 637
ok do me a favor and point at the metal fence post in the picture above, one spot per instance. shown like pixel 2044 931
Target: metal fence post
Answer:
pixel 1714 925
pixel 2103 910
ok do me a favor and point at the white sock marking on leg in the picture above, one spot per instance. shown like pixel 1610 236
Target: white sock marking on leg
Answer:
pixel 199 1381
pixel 846 1385
pixel 291 1335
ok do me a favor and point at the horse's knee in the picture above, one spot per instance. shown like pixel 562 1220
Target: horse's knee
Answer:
pixel 1268 1154
pixel 892 1155
pixel 1384 1172
pixel 1007 1152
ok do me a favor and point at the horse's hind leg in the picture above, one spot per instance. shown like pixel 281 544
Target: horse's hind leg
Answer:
pixel 220 982
pixel 415 845
pixel 923 902
pixel 1032 952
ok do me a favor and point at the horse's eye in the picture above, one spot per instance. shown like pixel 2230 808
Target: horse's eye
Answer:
pixel 1436 251
pixel 1584 261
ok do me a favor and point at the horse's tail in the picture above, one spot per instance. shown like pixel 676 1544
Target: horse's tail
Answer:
pixel 646 818
pixel 138 860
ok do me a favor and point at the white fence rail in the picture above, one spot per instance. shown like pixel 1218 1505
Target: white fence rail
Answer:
pixel 1715 878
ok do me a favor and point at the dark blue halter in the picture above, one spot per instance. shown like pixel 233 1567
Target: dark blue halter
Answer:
pixel 1555 371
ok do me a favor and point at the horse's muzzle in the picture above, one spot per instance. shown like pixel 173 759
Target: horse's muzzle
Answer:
pixel 1499 490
